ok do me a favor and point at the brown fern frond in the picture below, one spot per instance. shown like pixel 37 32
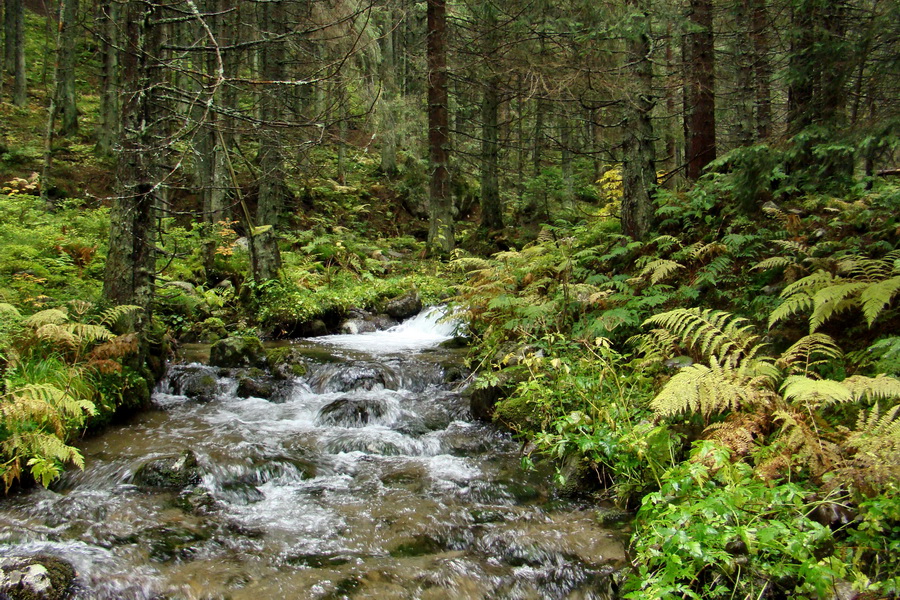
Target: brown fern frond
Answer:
pixel 116 348
pixel 105 366
pixel 800 440
pixel 739 431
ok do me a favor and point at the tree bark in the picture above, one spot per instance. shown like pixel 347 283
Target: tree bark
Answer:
pixel 762 68
pixel 440 208
pixel 14 45
pixel 65 105
pixel 110 122
pixel 638 169
pixel 491 209
pixel 700 106
pixel 130 264
pixel 272 192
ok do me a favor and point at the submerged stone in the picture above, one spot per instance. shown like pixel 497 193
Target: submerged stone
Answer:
pixel 351 412
pixel 173 472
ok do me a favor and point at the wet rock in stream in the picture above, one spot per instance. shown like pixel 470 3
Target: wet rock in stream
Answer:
pixel 35 578
pixel 172 472
pixel 243 351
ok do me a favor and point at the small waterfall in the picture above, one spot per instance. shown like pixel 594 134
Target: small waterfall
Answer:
pixel 427 329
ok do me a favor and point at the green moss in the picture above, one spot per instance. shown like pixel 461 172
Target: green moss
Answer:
pixel 519 414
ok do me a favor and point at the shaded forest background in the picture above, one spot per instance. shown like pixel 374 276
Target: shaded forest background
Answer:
pixel 672 228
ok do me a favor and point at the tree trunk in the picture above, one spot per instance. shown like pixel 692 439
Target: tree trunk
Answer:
pixel 66 108
pixel 440 208
pixel 110 123
pixel 762 67
pixel 491 209
pixel 272 192
pixel 388 105
pixel 638 169
pixel 130 264
pixel 700 106
pixel 15 50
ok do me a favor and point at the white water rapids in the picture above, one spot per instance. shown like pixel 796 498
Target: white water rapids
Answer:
pixel 365 477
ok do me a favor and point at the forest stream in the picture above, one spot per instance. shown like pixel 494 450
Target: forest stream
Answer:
pixel 364 477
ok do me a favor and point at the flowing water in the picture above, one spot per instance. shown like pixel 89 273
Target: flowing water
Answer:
pixel 365 477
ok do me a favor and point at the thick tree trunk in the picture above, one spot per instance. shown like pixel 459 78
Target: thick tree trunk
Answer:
pixel 638 169
pixel 700 106
pixel 744 92
pixel 130 264
pixel 440 207
pixel 388 104
pixel 272 192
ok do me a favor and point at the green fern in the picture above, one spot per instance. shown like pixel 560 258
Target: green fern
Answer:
pixel 869 285
pixel 711 332
pixel 809 351
pixel 659 270
pixel 51 316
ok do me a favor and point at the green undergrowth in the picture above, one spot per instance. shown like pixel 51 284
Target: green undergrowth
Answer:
pixel 732 379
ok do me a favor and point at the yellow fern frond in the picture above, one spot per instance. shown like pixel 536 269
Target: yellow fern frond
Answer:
pixel 9 312
pixel 860 267
pixel 51 316
pixel 775 262
pixel 87 334
pixel 712 332
pixel 877 388
pixel 798 303
pixel 56 334
pixel 470 263
pixel 704 390
pixel 814 393
pixel 701 251
pixel 833 299
pixel 112 315
pixel 809 284
pixel 809 351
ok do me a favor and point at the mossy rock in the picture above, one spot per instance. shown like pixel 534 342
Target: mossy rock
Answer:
pixel 402 307
pixel 209 331
pixel 286 362
pixel 38 577
pixel 237 351
pixel 518 414
pixel 168 543
pixel 173 472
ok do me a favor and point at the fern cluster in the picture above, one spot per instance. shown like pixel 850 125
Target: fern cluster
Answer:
pixel 780 404
pixel 48 392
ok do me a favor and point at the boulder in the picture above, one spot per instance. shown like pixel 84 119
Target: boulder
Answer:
pixel 357 325
pixel 197 382
pixel 38 577
pixel 404 306
pixel 172 472
pixel 237 351
pixel 256 387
